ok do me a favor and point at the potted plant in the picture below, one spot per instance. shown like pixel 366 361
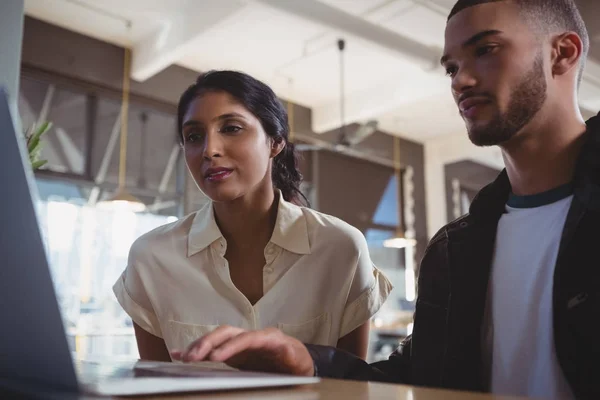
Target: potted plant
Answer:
pixel 34 144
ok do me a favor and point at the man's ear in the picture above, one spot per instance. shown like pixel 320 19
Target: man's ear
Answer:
pixel 566 53
pixel 277 146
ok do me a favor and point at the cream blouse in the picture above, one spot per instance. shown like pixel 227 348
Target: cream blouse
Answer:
pixel 319 281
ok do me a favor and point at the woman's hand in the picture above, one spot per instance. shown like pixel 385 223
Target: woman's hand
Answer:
pixel 267 350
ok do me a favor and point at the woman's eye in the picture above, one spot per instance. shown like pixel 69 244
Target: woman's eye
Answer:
pixel 230 129
pixel 193 137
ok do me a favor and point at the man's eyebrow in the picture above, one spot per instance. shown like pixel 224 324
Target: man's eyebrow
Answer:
pixel 471 41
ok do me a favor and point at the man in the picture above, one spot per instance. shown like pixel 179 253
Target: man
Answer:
pixel 508 294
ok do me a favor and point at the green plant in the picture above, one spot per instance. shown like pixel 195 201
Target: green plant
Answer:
pixel 34 143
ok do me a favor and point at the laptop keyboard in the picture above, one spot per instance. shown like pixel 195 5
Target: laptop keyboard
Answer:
pixel 189 370
pixel 96 371
pixel 92 371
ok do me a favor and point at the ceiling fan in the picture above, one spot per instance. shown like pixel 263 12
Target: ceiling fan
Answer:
pixel 345 139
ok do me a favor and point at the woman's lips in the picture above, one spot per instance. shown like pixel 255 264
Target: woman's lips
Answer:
pixel 218 175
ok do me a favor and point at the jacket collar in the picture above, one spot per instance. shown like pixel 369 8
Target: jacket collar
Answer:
pixel 587 176
pixel 290 232
pixel 490 202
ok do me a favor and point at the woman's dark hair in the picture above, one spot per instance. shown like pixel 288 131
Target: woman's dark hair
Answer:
pixel 261 101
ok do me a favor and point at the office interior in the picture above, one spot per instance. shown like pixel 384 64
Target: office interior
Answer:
pixel 382 144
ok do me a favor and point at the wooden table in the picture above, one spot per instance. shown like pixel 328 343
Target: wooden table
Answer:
pixel 324 390
pixel 335 389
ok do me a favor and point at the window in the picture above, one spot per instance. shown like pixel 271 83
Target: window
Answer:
pixel 83 143
pixel 64 144
pixel 387 210
pixel 391 322
pixel 87 247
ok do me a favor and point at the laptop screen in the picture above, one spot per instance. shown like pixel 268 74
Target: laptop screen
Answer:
pixel 34 347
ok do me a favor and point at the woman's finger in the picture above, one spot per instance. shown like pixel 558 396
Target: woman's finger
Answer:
pixel 247 341
pixel 200 349
pixel 268 350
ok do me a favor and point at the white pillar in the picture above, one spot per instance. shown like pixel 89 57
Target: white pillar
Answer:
pixel 11 38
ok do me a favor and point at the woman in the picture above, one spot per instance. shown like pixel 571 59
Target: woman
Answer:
pixel 253 257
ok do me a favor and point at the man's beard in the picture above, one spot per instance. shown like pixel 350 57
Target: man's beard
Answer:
pixel 526 99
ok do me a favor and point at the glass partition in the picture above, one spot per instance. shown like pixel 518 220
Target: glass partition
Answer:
pixel 87 249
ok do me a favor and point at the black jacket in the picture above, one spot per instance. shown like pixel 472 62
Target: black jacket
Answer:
pixel 444 349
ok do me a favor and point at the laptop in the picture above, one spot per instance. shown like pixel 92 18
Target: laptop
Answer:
pixel 34 352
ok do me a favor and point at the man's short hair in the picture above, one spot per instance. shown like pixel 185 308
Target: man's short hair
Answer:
pixel 547 16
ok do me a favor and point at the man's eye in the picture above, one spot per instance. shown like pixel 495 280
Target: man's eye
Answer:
pixel 483 50
pixel 451 71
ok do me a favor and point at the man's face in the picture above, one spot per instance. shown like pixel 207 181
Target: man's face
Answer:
pixel 497 70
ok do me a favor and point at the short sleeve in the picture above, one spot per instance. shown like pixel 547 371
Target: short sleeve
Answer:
pixel 370 289
pixel 132 296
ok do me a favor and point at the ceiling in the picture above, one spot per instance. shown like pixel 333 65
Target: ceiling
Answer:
pixel 392 48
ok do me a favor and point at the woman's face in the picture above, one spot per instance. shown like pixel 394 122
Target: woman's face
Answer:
pixel 226 148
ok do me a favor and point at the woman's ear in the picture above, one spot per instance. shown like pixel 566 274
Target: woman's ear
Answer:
pixel 277 146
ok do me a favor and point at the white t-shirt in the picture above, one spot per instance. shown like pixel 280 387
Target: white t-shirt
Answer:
pixel 518 335
pixel 319 281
